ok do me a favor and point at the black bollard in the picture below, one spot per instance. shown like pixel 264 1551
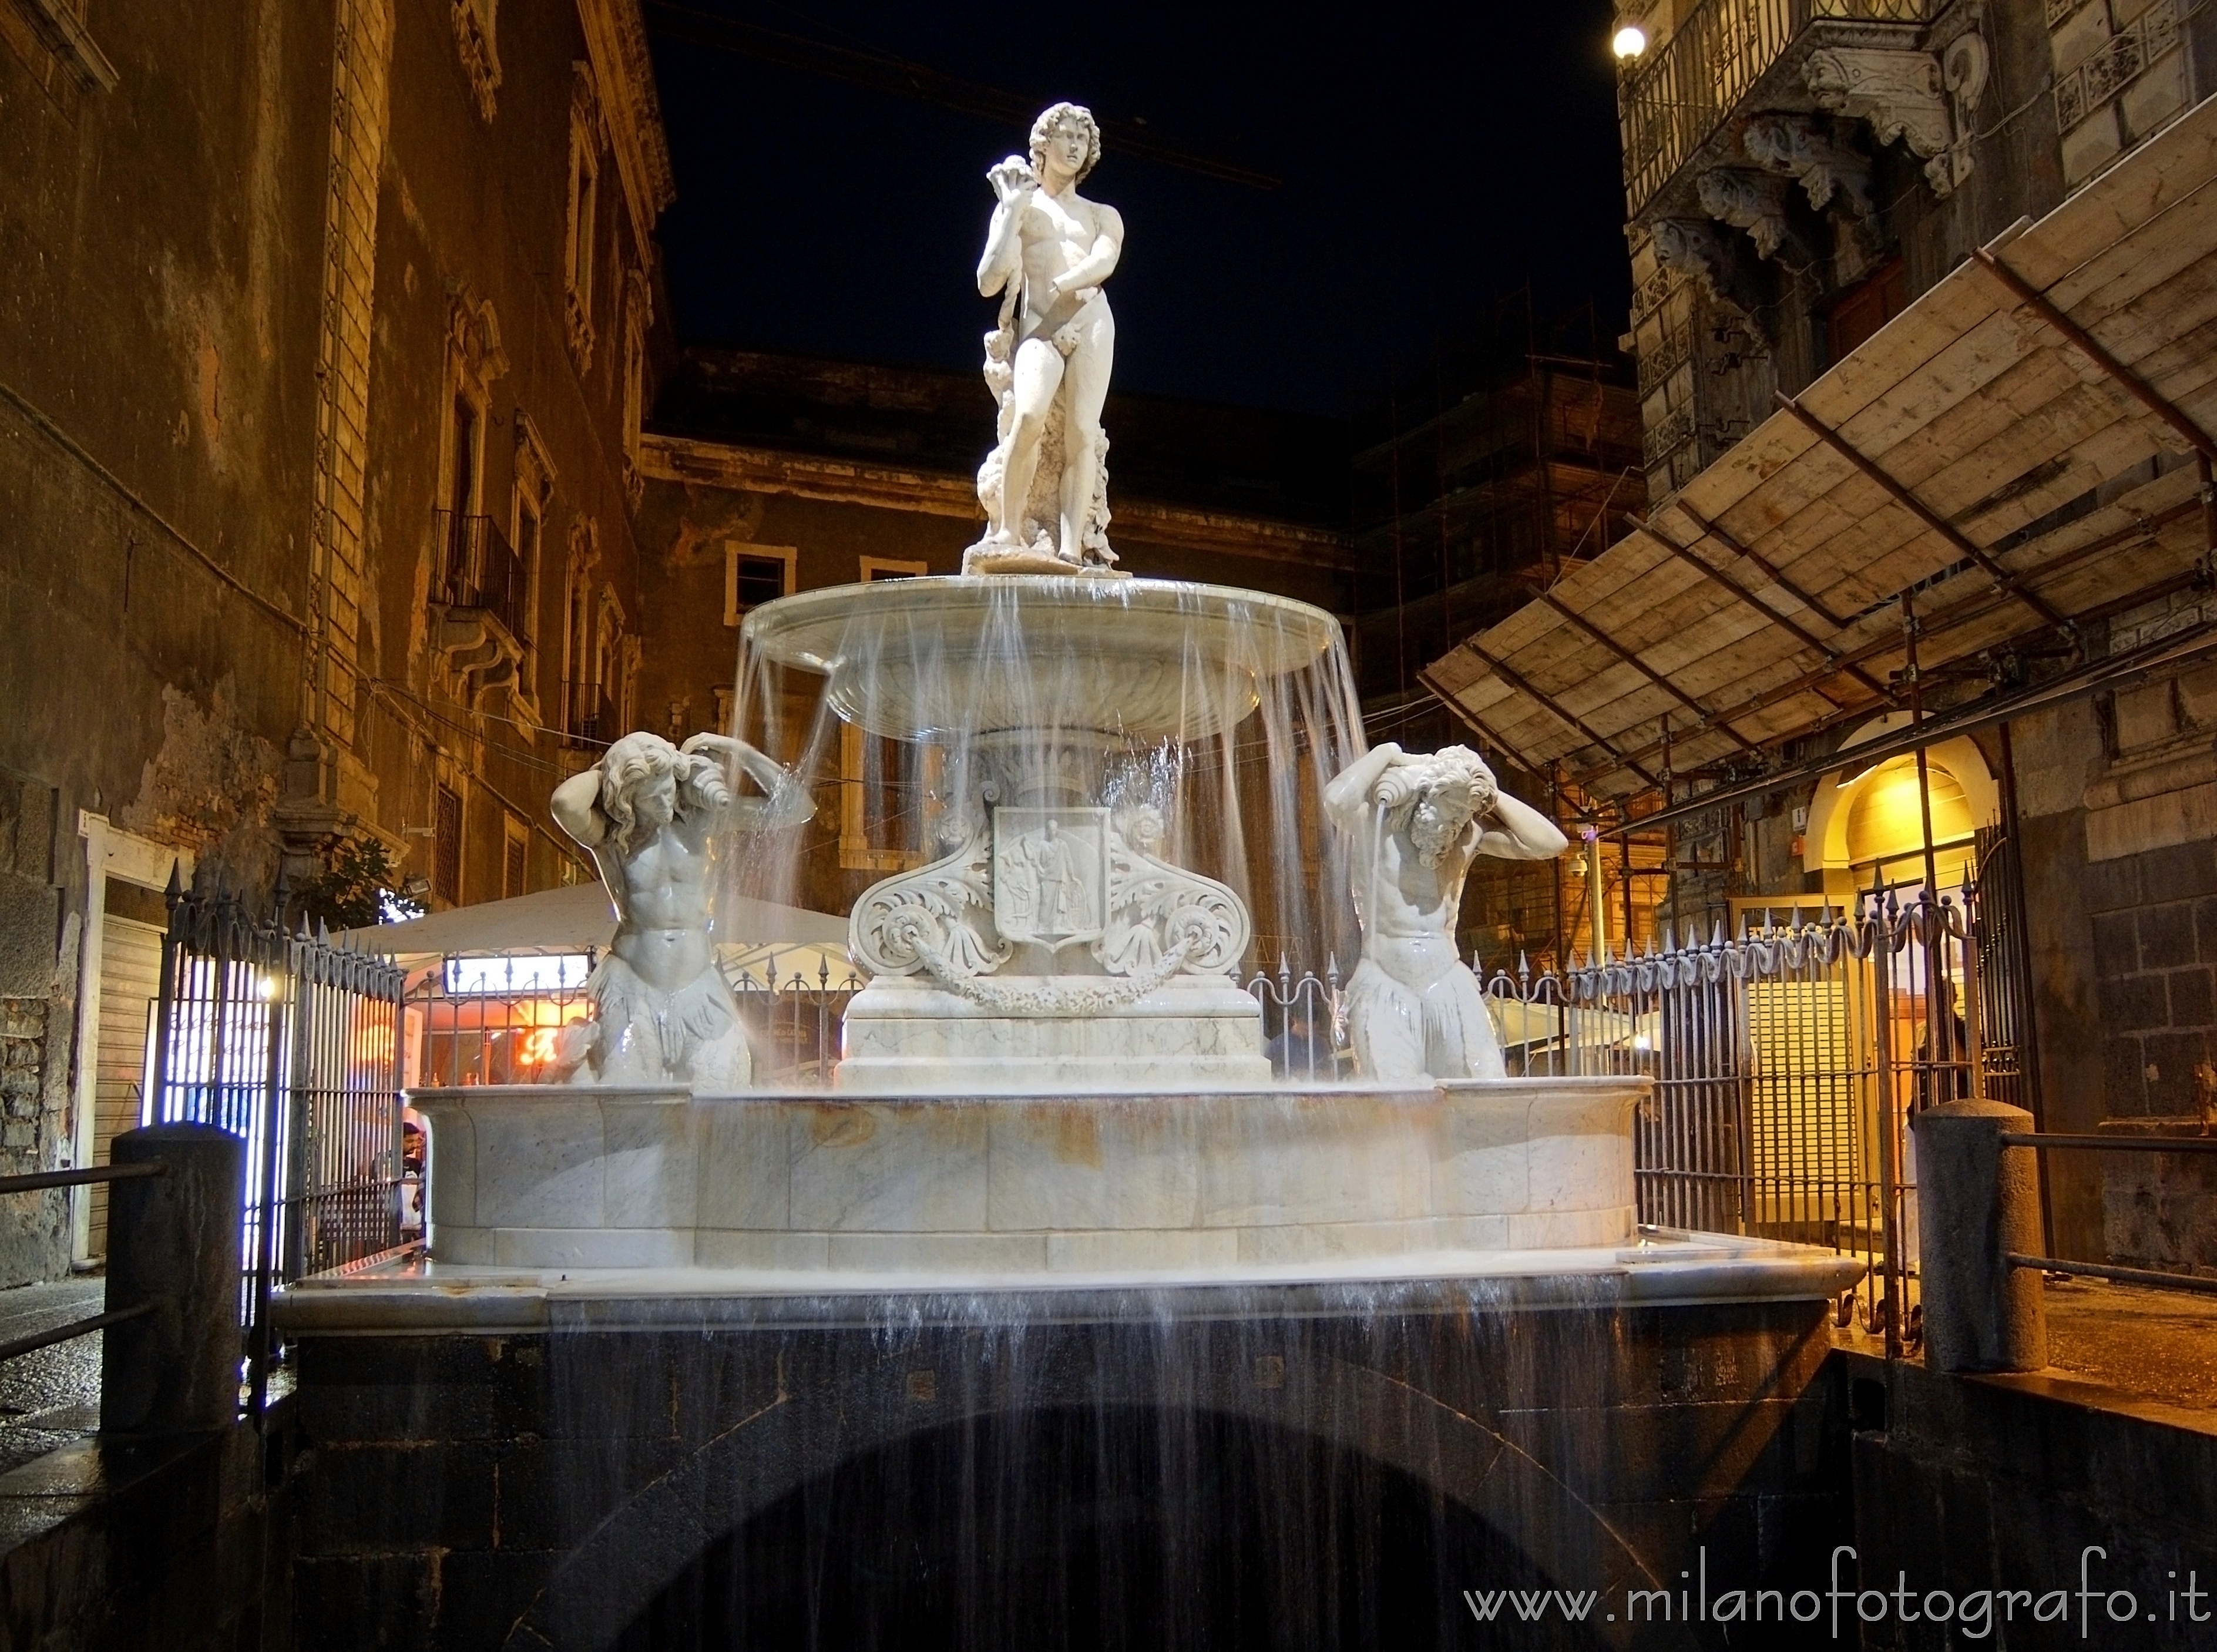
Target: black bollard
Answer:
pixel 173 1241
pixel 1979 1200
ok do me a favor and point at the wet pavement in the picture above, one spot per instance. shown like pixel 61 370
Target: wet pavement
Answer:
pixel 51 1398
pixel 2159 1348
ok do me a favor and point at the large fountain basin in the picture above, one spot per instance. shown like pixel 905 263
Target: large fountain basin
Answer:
pixel 1138 659
pixel 554 1177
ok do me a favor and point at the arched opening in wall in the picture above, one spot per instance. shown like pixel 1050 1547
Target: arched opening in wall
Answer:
pixel 1867 821
pixel 1058 1530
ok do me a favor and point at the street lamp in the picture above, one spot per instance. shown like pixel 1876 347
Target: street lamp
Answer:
pixel 1630 40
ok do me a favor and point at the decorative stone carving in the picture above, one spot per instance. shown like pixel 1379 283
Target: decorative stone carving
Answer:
pixel 1048 251
pixel 1049 879
pixel 1693 246
pixel 647 813
pixel 1830 173
pixel 1413 1008
pixel 473 36
pixel 1903 96
pixel 1754 202
pixel 579 248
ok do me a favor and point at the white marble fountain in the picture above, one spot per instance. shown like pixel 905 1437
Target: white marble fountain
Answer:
pixel 1052 1074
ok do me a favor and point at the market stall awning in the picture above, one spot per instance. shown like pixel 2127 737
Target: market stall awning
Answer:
pixel 572 918
pixel 1952 459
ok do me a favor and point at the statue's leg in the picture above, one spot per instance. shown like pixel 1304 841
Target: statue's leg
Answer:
pixel 1039 371
pixel 1087 389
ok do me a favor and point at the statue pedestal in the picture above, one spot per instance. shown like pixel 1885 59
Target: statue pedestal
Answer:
pixel 904 1037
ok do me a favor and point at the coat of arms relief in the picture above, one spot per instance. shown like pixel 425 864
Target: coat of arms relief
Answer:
pixel 1054 879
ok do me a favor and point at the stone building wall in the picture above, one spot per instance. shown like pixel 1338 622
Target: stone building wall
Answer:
pixel 244 246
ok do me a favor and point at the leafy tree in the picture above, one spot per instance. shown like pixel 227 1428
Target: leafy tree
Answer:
pixel 358 887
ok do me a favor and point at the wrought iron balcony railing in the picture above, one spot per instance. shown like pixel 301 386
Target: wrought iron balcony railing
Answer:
pixel 478 569
pixel 1671 101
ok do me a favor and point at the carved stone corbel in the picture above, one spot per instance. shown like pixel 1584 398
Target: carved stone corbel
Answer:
pixel 1900 95
pixel 1754 202
pixel 479 653
pixel 1694 247
pixel 1830 173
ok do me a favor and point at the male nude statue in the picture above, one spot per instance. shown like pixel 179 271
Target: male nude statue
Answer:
pixel 647 812
pixel 1413 1008
pixel 1050 249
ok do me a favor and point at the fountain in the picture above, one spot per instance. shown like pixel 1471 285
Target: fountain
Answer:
pixel 1100 799
pixel 1054 1180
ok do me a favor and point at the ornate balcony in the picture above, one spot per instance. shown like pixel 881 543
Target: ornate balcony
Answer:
pixel 480 596
pixel 1673 101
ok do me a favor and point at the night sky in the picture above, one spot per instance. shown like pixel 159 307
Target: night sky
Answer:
pixel 1432 163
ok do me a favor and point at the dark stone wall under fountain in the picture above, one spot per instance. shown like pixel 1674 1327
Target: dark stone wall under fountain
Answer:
pixel 1047 1472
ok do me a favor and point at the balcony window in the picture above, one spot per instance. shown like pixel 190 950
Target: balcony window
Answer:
pixel 447 845
pixel 1861 310
pixel 753 574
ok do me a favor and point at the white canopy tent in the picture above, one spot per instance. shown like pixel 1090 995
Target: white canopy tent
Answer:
pixel 579 917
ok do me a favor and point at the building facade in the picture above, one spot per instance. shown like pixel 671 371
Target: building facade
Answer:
pixel 326 334
pixel 1799 173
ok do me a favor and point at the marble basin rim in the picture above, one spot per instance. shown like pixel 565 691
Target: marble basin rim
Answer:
pixel 937 657
pixel 1126 1183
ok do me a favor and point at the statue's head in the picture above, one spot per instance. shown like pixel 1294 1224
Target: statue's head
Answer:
pixel 1074 137
pixel 647 782
pixel 1434 799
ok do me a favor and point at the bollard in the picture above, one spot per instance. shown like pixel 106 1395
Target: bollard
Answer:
pixel 1978 1202
pixel 174 1240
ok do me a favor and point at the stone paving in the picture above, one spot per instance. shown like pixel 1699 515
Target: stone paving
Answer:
pixel 51 1398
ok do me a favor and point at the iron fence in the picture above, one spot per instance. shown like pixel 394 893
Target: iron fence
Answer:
pixel 1671 101
pixel 503 1024
pixel 293 1044
pixel 1788 1062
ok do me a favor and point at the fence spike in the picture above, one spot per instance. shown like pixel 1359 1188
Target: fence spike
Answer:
pixel 1717 933
pixel 1524 965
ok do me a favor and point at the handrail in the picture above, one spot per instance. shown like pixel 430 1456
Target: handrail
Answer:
pixel 39 1340
pixel 82 1176
pixel 2162 1281
pixel 2110 1144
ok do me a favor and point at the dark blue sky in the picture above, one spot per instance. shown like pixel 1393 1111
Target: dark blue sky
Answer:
pixel 1432 162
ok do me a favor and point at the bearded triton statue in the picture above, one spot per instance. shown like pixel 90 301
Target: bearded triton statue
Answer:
pixel 1414 1009
pixel 1045 486
pixel 647 813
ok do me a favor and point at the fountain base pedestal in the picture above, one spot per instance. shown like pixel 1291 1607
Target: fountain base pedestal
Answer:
pixel 1034 1034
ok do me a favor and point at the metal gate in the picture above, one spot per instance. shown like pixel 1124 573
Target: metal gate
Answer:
pixel 293 1044
pixel 1787 1063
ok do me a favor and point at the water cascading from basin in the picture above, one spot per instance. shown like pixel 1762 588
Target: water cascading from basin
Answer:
pixel 1098 801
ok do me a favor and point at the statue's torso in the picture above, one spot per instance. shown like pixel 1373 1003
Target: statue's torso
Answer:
pixel 663 905
pixel 1057 234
